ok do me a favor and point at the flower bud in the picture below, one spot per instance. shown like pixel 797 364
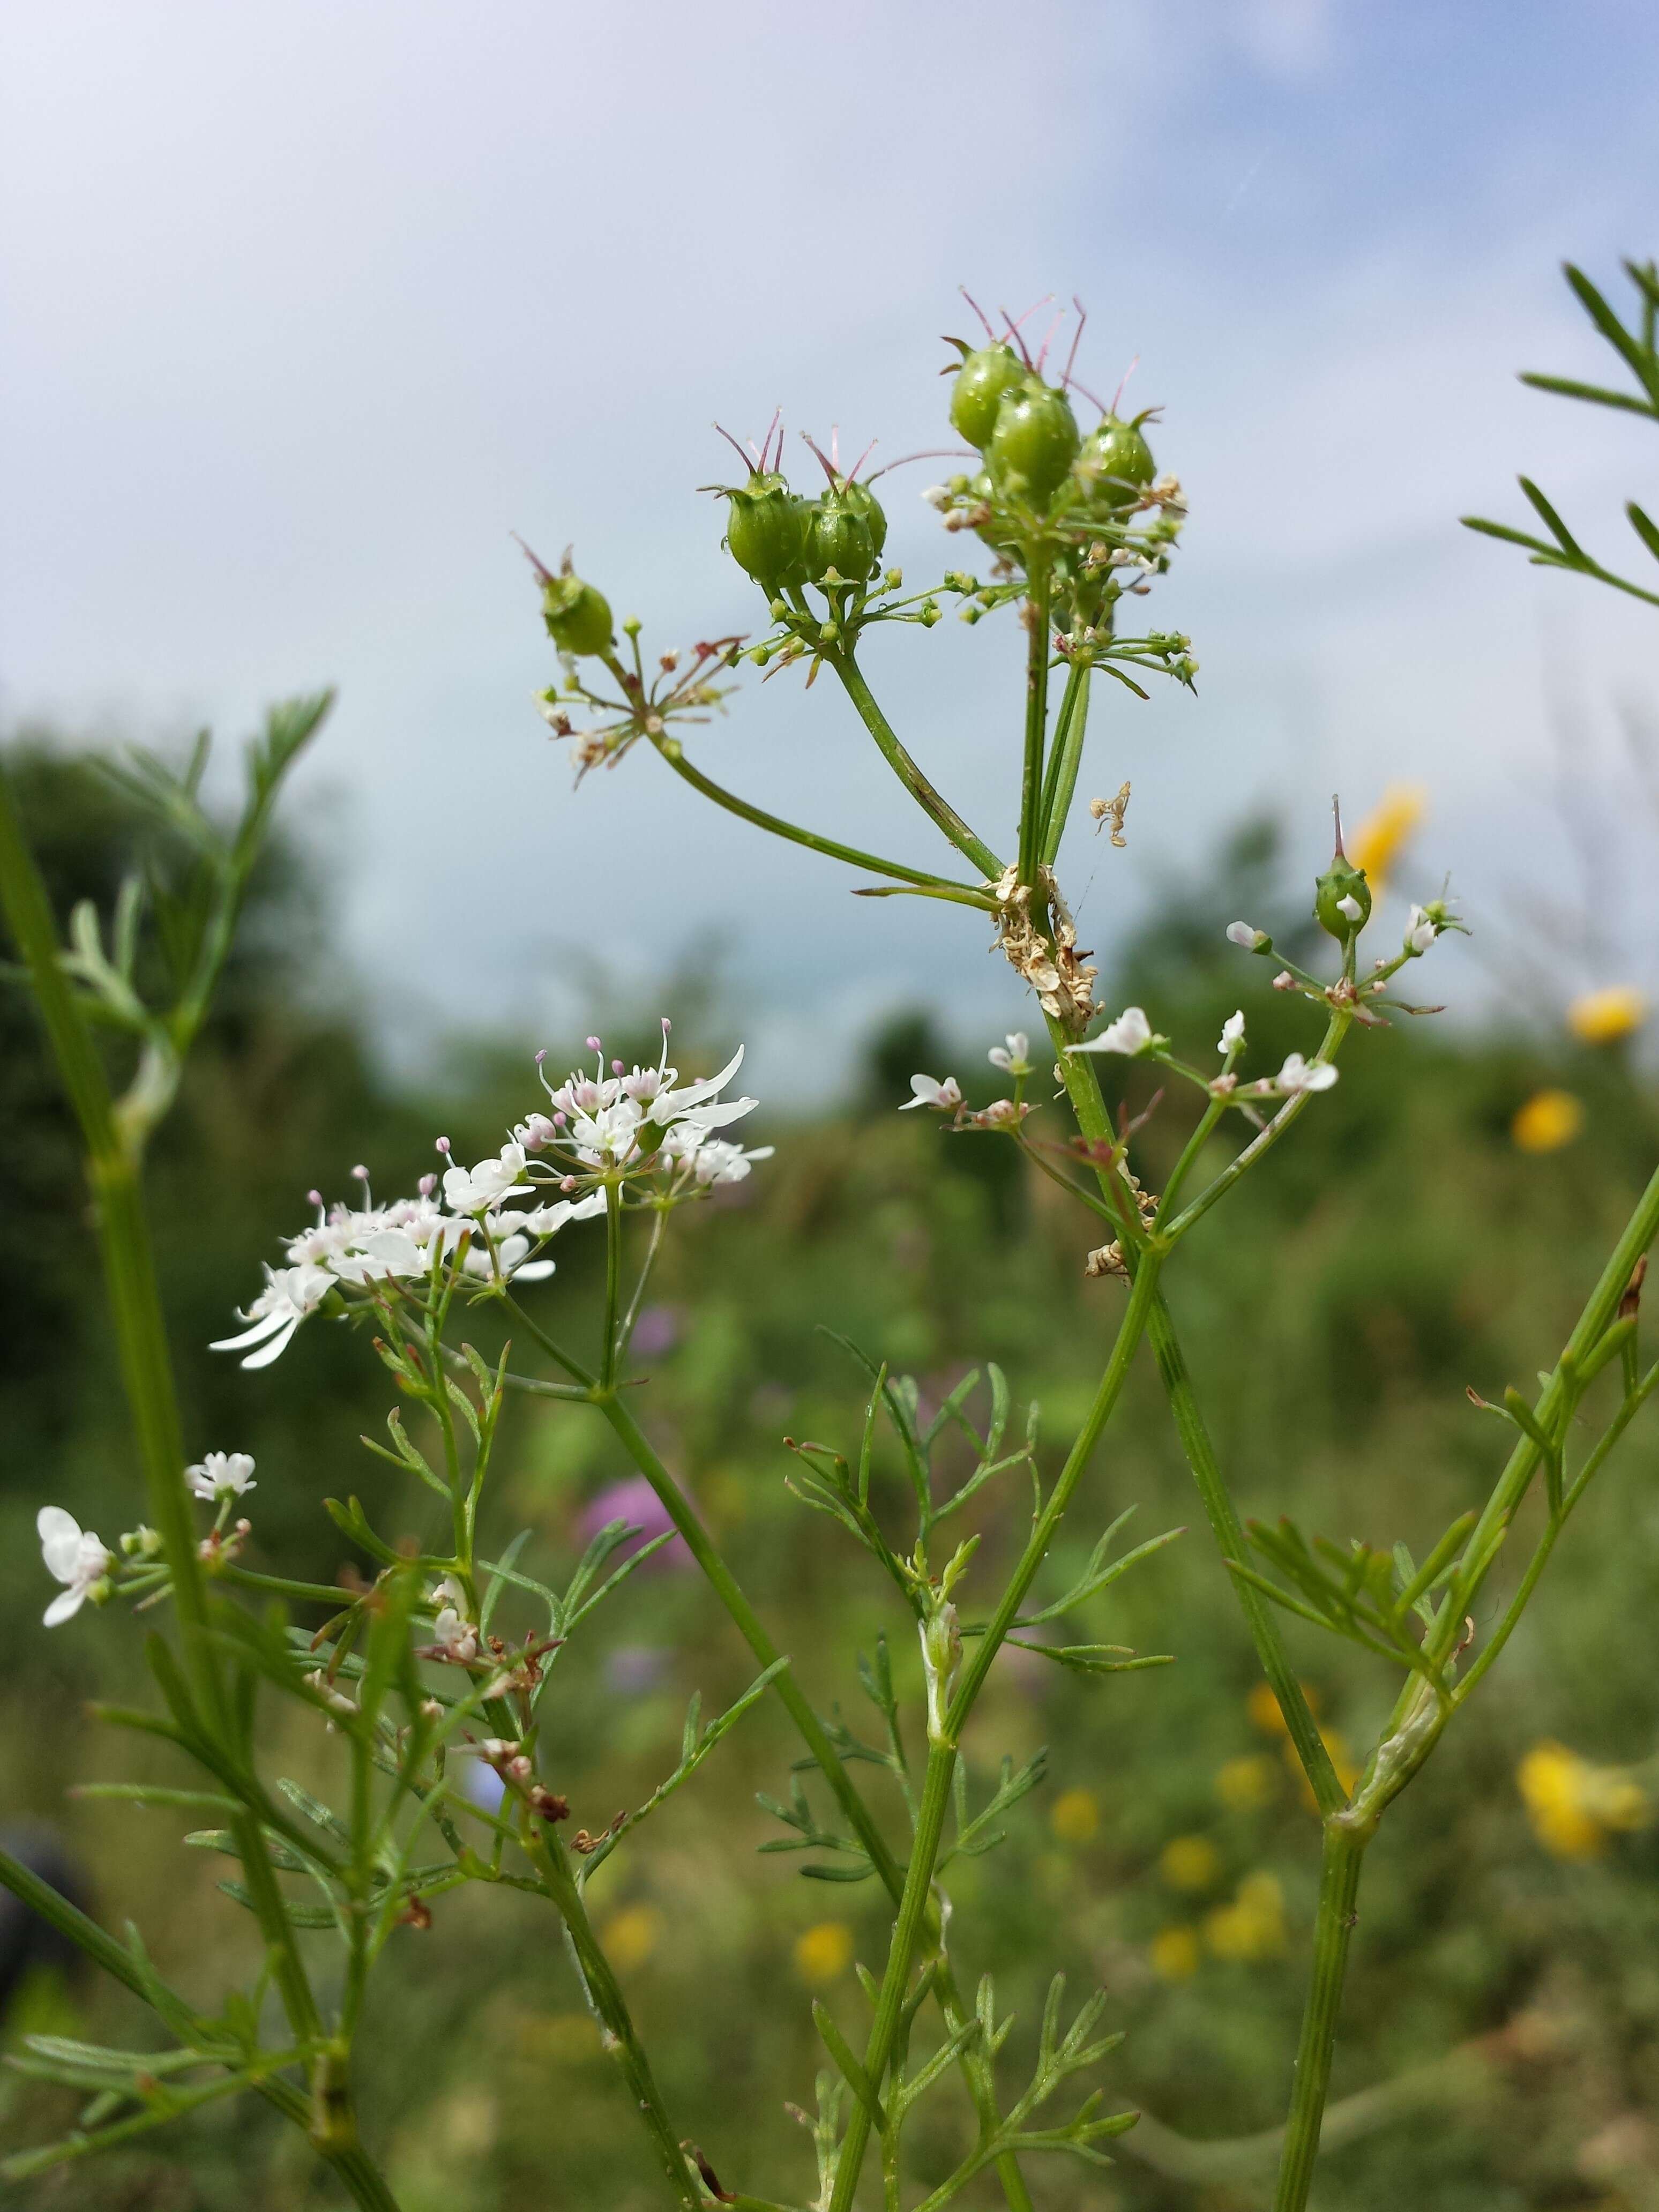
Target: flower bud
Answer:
pixel 975 396
pixel 1342 898
pixel 1035 441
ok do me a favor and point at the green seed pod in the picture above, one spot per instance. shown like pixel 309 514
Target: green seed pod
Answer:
pixel 980 382
pixel 578 617
pixel 1035 441
pixel 1342 881
pixel 861 500
pixel 996 533
pixel 765 531
pixel 839 535
pixel 1116 463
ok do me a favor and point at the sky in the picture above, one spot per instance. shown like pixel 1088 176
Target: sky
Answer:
pixel 305 309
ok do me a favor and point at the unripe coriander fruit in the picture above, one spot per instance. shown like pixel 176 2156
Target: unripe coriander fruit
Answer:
pixel 765 529
pixel 980 382
pixel 1341 880
pixel 578 617
pixel 861 500
pixel 1035 441
pixel 838 537
pixel 1118 460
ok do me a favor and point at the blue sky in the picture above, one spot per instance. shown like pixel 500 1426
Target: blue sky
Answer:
pixel 308 307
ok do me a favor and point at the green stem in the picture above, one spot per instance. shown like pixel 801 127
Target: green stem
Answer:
pixel 1061 782
pixel 1142 1294
pixel 1287 1116
pixel 612 1283
pixel 907 1928
pixel 1518 1604
pixel 1513 1484
pixel 938 809
pixel 1083 1086
pixel 604 1994
pixel 1339 1887
pixel 968 894
pixel 812 1731
pixel 1035 611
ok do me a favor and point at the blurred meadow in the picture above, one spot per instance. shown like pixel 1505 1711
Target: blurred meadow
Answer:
pixel 1432 1228
pixel 309 310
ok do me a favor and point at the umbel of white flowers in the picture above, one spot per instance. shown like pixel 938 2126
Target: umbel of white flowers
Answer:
pixel 610 1129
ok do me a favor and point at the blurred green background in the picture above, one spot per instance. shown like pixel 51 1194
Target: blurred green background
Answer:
pixel 1415 1237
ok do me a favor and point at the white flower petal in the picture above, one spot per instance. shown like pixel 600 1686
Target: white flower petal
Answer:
pixel 60 1541
pixel 277 1345
pixel 63 1606
pixel 267 1325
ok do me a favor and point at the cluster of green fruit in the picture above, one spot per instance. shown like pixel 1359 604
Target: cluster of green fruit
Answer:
pixel 1036 458
pixel 785 541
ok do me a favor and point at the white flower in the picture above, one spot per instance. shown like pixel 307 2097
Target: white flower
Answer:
pixel 1350 906
pixel 1010 1056
pixel 384 1252
pixel 938 495
pixel 75 1556
pixel 926 1091
pixel 548 1220
pixel 676 1105
pixel 1131 1033
pixel 290 1293
pixel 470 1191
pixel 718 1161
pixel 609 1136
pixel 1299 1074
pixel 452 1633
pixel 1232 1032
pixel 1419 931
pixel 1245 933
pixel 221 1474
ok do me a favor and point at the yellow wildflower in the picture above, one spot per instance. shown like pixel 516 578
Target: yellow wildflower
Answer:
pixel 1549 1120
pixel 1377 844
pixel 1244 1785
pixel 631 1935
pixel 1252 1927
pixel 1575 1806
pixel 1075 1816
pixel 823 1953
pixel 1174 1955
pixel 1190 1862
pixel 1604 1016
pixel 1262 1706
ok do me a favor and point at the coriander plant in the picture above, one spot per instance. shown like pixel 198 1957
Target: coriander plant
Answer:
pixel 425 1673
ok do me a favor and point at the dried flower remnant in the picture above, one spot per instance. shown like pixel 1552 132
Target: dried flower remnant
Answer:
pixel 1110 814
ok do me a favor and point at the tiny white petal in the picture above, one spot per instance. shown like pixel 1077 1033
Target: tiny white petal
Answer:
pixel 1232 1032
pixel 1245 933
pixel 1350 906
pixel 1131 1033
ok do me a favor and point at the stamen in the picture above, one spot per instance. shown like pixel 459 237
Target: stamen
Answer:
pixel 985 319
